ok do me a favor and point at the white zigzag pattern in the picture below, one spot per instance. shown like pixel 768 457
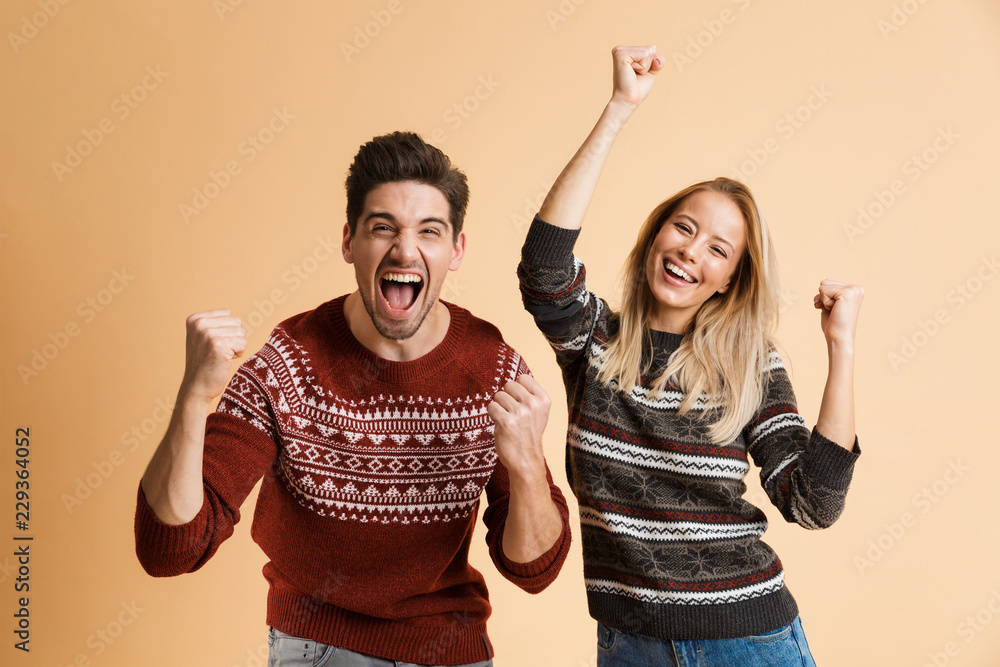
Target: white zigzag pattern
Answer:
pixel 775 423
pixel 781 466
pixel 774 361
pixel 641 456
pixel 667 531
pixel 350 479
pixel 686 597
pixel 668 400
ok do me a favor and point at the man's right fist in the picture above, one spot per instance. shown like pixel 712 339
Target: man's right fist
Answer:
pixel 214 339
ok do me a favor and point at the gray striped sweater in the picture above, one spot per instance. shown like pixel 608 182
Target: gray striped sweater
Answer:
pixel 670 548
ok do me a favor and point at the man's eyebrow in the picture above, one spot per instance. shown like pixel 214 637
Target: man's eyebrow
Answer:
pixel 384 215
pixel 716 237
pixel 435 219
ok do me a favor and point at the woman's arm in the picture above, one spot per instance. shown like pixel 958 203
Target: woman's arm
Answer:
pixel 635 68
pixel 840 304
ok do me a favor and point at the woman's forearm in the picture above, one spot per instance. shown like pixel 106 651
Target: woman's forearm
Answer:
pixel 836 412
pixel 839 304
pixel 569 198
pixel 635 69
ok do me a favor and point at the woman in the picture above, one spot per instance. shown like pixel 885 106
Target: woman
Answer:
pixel 666 401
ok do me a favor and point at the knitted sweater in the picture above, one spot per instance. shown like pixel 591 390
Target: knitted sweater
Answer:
pixel 372 473
pixel 670 548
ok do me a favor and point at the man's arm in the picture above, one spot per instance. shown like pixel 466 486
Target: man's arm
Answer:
pixel 173 483
pixel 567 202
pixel 520 411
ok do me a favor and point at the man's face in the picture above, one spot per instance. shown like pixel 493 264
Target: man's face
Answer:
pixel 402 250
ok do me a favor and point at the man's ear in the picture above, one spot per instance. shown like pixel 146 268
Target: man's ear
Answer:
pixel 346 245
pixel 457 252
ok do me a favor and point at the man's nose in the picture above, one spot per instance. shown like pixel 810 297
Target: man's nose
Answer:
pixel 404 250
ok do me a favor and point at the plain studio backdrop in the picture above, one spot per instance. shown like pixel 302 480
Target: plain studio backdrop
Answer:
pixel 159 160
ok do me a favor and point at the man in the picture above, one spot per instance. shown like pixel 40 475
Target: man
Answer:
pixel 376 421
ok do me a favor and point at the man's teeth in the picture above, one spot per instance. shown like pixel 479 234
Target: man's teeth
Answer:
pixel 678 271
pixel 402 277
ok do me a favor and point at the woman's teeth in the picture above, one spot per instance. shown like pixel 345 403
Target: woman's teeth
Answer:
pixel 678 271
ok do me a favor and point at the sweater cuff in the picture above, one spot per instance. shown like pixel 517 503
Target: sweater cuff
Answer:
pixel 830 464
pixel 537 567
pixel 547 245
pixel 153 536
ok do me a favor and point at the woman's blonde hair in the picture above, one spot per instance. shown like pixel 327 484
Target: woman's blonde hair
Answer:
pixel 723 358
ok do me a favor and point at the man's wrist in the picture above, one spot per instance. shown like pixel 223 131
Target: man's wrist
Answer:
pixel 527 474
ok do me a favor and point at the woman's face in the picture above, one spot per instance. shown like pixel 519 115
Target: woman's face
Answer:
pixel 693 256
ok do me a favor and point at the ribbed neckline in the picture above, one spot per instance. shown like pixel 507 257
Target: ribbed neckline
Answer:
pixel 664 340
pixel 385 370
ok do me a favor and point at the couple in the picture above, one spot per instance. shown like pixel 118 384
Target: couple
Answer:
pixel 377 420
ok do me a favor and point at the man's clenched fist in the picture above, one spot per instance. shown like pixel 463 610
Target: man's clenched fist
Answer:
pixel 214 339
pixel 520 411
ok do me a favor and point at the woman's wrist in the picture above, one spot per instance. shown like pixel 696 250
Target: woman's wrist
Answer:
pixel 618 110
pixel 840 348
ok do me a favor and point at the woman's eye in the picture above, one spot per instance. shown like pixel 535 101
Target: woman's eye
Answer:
pixel 681 226
pixel 719 251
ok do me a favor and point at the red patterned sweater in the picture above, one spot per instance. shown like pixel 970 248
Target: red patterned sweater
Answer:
pixel 372 472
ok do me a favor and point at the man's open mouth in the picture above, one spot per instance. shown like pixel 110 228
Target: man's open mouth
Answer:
pixel 400 290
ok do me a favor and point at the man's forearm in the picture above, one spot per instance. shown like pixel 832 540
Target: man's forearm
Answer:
pixel 534 523
pixel 172 482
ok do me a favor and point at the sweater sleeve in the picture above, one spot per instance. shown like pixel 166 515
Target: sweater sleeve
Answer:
pixel 554 290
pixel 239 449
pixel 536 575
pixel 805 475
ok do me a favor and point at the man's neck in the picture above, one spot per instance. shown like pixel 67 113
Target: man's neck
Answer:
pixel 430 334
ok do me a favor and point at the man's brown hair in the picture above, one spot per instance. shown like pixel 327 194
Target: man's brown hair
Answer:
pixel 404 156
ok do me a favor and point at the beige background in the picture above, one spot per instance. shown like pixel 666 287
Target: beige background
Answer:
pixel 899 580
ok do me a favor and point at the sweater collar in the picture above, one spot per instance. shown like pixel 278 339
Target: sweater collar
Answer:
pixel 664 340
pixel 372 366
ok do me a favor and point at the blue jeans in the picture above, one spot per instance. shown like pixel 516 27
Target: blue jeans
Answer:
pixel 287 651
pixel 784 647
